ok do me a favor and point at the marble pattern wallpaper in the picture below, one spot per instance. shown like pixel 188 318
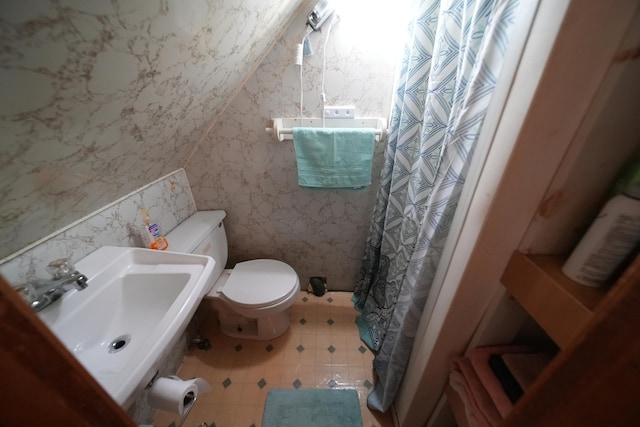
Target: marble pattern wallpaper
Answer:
pixel 168 200
pixel 102 97
pixel 238 167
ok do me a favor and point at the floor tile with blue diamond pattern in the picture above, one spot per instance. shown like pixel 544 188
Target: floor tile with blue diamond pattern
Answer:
pixel 321 349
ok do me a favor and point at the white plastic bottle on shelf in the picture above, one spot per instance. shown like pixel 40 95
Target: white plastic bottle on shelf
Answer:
pixel 612 237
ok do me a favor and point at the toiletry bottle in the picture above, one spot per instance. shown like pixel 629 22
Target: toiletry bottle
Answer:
pixel 152 236
pixel 610 240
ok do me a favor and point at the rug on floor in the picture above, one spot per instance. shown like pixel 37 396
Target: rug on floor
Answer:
pixel 312 408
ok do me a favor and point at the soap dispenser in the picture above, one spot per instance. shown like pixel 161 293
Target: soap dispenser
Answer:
pixel 152 236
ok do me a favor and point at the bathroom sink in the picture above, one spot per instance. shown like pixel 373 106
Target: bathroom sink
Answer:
pixel 136 305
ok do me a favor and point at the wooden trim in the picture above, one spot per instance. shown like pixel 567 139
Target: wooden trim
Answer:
pixel 559 305
pixel 594 381
pixel 42 383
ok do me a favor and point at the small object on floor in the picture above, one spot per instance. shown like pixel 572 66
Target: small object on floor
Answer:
pixel 312 408
pixel 317 286
pixel 202 343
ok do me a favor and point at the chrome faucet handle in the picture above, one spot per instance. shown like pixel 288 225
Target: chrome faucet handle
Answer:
pixel 61 268
pixel 27 292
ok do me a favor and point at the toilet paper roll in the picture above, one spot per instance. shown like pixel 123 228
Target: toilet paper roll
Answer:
pixel 175 395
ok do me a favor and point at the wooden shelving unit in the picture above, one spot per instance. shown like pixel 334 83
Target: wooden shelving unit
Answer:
pixel 574 316
pixel 559 305
pixel 593 380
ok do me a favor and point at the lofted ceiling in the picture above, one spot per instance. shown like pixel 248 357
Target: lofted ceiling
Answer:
pixel 101 98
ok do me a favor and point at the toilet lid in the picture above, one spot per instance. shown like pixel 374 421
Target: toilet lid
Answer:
pixel 260 282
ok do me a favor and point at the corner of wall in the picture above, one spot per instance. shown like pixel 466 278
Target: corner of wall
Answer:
pixel 260 60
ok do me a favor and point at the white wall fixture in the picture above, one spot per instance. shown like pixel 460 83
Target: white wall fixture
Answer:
pixel 282 128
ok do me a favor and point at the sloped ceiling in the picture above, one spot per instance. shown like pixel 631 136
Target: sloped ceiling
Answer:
pixel 100 98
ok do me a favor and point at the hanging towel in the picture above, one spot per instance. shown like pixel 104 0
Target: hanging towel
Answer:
pixel 334 158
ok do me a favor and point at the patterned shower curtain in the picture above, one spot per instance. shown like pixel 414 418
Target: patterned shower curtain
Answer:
pixel 449 72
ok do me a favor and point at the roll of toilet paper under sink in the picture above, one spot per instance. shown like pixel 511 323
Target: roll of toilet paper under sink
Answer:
pixel 175 395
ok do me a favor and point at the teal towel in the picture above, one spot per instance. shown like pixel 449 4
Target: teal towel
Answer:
pixel 334 158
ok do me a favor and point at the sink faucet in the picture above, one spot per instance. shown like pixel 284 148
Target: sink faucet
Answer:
pixel 44 293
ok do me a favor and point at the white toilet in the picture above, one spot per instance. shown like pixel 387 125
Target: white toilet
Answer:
pixel 252 299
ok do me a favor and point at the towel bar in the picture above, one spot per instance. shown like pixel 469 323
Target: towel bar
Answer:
pixel 283 128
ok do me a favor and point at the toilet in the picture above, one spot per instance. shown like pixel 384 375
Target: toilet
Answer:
pixel 252 299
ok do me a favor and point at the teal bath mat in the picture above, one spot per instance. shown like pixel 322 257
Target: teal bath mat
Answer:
pixel 312 408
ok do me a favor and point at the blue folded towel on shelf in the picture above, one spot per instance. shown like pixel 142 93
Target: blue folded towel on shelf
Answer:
pixel 334 157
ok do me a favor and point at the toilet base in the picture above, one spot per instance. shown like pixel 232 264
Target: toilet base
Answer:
pixel 235 325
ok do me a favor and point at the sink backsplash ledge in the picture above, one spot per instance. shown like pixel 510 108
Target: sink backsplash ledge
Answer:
pixel 168 199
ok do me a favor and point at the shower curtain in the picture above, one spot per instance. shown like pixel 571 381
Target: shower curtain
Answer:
pixel 450 66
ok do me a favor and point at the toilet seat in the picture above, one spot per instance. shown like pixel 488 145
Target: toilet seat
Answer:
pixel 259 283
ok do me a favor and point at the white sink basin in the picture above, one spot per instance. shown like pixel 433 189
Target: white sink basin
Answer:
pixel 136 305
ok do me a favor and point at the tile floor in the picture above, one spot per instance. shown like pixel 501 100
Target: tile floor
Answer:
pixel 321 349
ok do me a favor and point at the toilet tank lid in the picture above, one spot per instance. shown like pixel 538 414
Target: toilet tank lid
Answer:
pixel 192 231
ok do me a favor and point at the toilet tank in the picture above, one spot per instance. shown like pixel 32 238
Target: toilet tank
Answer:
pixel 202 233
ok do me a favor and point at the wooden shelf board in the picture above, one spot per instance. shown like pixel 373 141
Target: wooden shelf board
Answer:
pixel 587 296
pixel 457 406
pixel 558 304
